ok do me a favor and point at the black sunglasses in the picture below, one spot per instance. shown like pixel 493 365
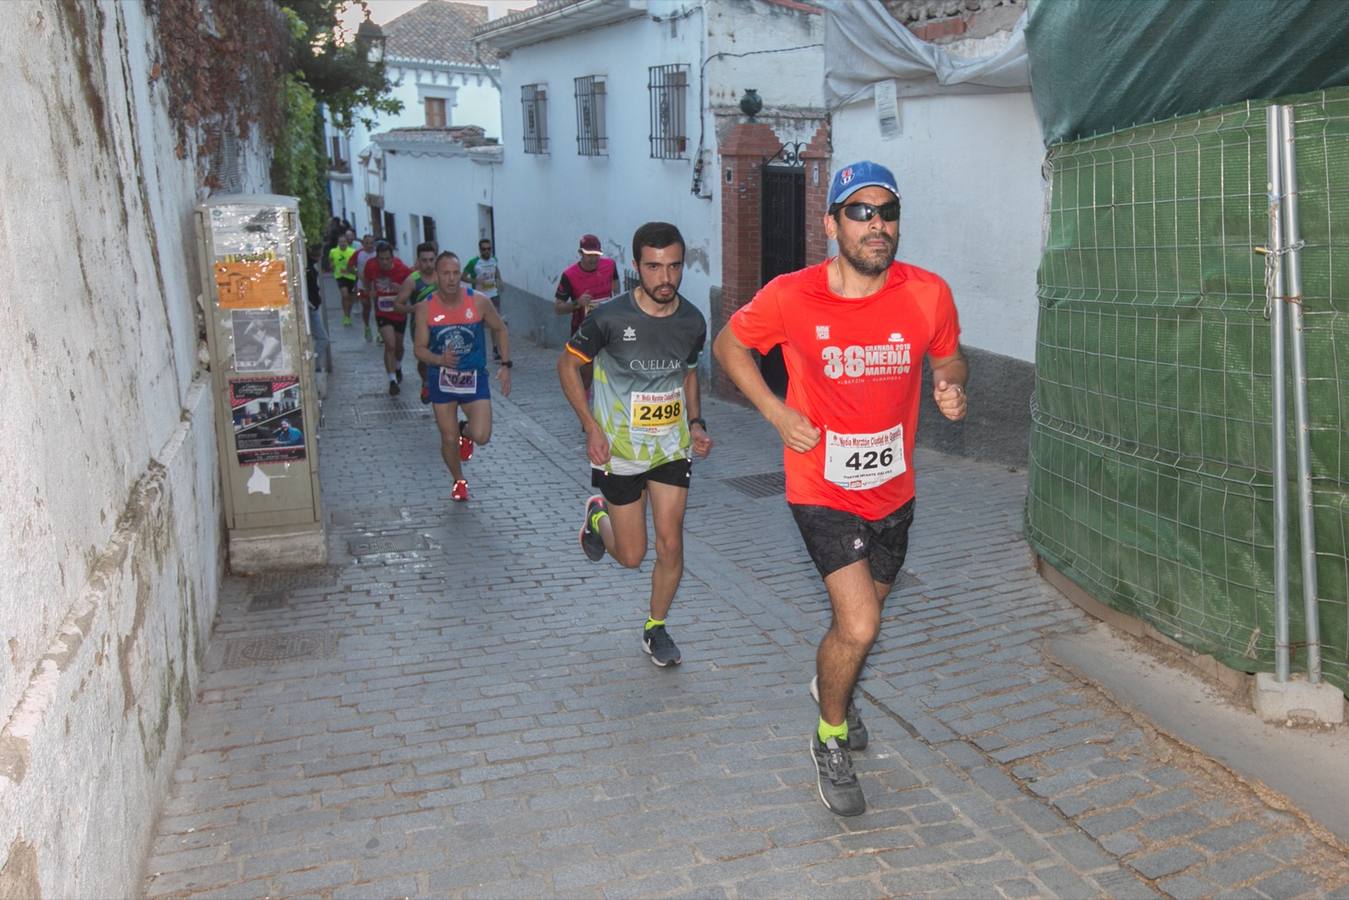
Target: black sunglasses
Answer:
pixel 865 212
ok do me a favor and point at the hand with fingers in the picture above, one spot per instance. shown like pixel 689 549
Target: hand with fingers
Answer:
pixel 950 399
pixel 597 446
pixel 702 442
pixel 795 429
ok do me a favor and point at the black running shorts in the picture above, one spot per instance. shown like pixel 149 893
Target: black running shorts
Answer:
pixel 835 539
pixel 400 326
pixel 620 490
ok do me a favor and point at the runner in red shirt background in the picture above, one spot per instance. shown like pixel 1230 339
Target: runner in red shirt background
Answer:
pixel 854 331
pixel 586 284
pixel 384 276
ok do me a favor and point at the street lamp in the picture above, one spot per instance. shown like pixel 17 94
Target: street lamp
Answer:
pixel 370 41
pixel 751 103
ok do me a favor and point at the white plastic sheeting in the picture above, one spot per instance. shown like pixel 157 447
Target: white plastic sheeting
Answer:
pixel 865 44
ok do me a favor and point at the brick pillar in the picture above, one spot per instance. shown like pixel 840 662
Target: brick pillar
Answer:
pixel 746 146
pixel 817 194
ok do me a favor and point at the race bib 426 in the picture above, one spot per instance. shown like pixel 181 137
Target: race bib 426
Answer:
pixel 858 462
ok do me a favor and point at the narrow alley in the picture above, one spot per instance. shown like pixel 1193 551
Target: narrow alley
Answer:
pixel 458 704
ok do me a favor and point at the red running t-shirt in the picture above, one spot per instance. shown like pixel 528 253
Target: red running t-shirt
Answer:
pixel 855 368
pixel 384 286
pixel 599 283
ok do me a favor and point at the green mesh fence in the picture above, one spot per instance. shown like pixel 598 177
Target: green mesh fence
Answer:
pixel 1151 457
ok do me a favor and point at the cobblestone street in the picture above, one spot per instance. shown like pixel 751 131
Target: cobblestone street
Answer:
pixel 459 705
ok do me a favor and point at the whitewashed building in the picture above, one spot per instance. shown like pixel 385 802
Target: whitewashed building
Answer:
pixel 962 138
pixel 618 112
pixel 434 184
pixel 443 80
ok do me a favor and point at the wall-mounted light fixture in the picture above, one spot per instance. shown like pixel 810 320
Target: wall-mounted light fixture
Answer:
pixel 370 41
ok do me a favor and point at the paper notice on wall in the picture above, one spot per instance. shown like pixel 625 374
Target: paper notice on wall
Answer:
pixel 246 231
pixel 257 341
pixel 267 415
pixel 252 284
pixel 887 110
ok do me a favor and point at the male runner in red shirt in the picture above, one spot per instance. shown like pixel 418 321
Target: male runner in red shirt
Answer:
pixel 586 284
pixel 854 331
pixel 384 276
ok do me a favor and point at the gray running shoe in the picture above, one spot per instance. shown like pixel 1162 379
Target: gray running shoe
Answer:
pixel 657 642
pixel 835 777
pixel 858 738
pixel 591 542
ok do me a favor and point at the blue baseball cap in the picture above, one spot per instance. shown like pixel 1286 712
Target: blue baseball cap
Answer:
pixel 853 177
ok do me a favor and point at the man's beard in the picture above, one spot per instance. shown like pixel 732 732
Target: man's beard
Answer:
pixel 869 266
pixel 674 294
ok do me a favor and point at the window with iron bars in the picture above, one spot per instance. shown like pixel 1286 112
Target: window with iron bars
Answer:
pixel 534 98
pixel 590 137
pixel 668 87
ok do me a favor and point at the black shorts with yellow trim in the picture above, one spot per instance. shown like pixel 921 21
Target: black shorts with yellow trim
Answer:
pixel 620 490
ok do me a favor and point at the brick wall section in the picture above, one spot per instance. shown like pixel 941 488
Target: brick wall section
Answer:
pixel 944 21
pixel 942 28
pixel 743 151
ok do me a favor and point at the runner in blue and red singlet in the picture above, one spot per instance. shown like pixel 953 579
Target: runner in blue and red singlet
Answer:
pixel 449 338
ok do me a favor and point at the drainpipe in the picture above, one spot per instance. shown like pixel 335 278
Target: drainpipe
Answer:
pixel 1274 287
pixel 1307 530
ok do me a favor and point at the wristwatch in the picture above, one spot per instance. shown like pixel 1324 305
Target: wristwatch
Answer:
pixel 698 420
pixel 506 364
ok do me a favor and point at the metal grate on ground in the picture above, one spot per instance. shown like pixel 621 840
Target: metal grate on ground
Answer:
pixel 766 484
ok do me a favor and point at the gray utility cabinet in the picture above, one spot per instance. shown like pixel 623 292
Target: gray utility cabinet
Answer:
pixel 262 370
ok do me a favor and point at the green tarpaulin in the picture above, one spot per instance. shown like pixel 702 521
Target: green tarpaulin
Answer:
pixel 1151 446
pixel 1101 65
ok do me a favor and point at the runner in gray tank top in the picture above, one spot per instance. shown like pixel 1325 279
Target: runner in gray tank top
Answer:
pixel 642 424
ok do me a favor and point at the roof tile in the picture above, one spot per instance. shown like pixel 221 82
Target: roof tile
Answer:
pixel 437 30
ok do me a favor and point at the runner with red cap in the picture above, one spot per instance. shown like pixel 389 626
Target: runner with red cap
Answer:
pixel 853 330
pixel 584 286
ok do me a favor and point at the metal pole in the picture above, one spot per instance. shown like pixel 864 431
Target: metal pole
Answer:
pixel 1274 293
pixel 1307 530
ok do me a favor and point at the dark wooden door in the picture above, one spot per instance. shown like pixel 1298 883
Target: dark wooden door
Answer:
pixel 782 231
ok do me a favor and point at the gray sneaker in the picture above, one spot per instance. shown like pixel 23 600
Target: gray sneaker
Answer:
pixel 858 738
pixel 591 542
pixel 657 642
pixel 835 778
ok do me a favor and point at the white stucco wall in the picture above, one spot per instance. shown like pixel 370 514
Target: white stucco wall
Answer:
pixel 110 514
pixel 790 76
pixel 969 171
pixel 447 188
pixel 471 99
pixel 545 202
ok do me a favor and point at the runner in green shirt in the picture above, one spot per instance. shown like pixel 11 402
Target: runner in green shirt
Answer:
pixel 343 258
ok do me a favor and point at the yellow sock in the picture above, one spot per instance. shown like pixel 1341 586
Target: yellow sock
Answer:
pixel 827 731
pixel 652 623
